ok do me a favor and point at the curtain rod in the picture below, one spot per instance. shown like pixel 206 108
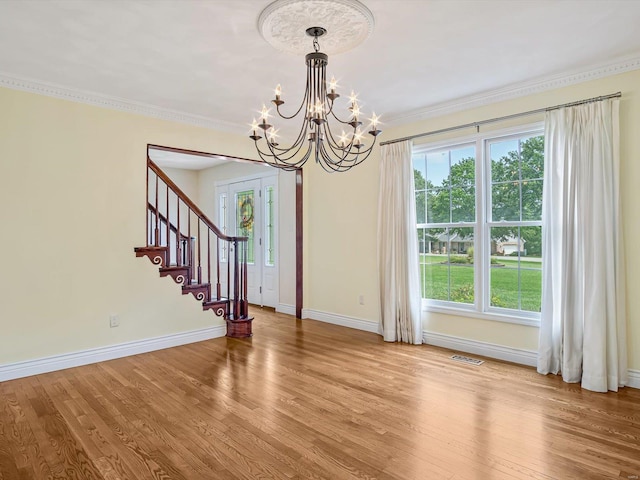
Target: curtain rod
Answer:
pixel 506 117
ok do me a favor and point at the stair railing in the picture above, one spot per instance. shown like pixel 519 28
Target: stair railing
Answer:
pixel 192 240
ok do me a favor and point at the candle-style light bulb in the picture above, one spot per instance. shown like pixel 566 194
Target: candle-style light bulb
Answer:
pixel 264 113
pixel 254 127
pixel 273 135
pixel 374 120
pixel 343 139
pixel 333 83
pixel 355 111
pixel 357 139
pixel 278 91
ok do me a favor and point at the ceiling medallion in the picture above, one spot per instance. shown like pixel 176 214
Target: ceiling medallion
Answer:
pixel 283 23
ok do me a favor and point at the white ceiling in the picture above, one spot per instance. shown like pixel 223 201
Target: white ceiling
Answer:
pixel 185 161
pixel 205 59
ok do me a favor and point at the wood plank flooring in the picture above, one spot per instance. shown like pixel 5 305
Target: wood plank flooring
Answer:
pixel 307 400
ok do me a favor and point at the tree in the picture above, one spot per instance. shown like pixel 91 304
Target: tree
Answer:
pixel 514 176
pixel 420 186
pixel 454 200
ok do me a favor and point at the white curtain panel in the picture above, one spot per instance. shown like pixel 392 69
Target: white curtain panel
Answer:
pixel 398 247
pixel 583 319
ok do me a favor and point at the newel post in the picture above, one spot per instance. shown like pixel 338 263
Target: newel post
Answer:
pixel 239 322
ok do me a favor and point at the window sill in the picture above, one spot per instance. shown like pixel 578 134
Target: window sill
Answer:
pixel 493 316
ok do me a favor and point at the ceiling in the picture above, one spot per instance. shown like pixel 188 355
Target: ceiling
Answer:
pixel 185 161
pixel 204 61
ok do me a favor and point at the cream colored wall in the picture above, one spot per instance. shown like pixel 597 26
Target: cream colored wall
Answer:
pixel 287 238
pixel 72 210
pixel 187 180
pixel 340 228
pixel 340 215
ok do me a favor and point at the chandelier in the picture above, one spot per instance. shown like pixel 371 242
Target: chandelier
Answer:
pixel 335 152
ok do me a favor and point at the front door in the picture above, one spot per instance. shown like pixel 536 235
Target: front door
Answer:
pixel 248 208
pixel 245 220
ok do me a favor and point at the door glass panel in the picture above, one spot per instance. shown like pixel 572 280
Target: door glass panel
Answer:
pixel 245 220
pixel 223 224
pixel 269 250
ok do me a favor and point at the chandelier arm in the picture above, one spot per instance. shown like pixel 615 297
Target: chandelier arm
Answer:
pixel 344 166
pixel 297 164
pixel 286 154
pixel 339 153
pixel 329 108
pixel 264 154
pixel 299 139
pixel 331 139
pixel 356 154
pixel 305 101
pixel 286 167
pixel 280 157
pixel 315 94
pixel 291 152
pixel 361 158
pixel 331 166
pixel 261 153
pixel 276 161
pixel 344 122
pixel 337 159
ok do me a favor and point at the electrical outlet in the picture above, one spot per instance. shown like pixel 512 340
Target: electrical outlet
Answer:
pixel 361 299
pixel 114 321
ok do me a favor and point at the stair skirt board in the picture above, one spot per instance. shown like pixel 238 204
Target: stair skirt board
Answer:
pixel 94 355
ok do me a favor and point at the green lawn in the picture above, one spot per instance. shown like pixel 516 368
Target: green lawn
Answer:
pixel 455 282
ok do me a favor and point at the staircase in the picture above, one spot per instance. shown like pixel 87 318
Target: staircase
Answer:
pixel 189 248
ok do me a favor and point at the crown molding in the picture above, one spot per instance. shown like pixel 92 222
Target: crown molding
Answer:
pixel 113 103
pixel 614 67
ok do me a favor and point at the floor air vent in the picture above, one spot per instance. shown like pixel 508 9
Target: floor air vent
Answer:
pixel 463 359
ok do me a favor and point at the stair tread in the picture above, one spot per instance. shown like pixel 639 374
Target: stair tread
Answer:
pixel 150 248
pixel 214 302
pixel 174 267
pixel 197 285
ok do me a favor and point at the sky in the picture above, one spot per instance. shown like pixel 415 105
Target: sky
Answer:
pixel 436 167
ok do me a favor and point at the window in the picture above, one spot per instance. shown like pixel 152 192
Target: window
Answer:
pixel 223 223
pixel 245 220
pixel 269 223
pixel 478 208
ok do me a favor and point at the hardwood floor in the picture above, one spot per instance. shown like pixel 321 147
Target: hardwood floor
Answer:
pixel 303 399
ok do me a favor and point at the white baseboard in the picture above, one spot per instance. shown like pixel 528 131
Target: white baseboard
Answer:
pixel 286 309
pixel 342 320
pixel 515 355
pixel 93 355
pixel 634 378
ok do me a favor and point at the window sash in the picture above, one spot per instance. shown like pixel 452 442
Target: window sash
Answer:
pixel 483 223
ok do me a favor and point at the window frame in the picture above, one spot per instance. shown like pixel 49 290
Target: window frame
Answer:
pixel 481 307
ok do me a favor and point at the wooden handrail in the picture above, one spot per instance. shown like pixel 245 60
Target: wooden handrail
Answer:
pixel 164 220
pixel 192 206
